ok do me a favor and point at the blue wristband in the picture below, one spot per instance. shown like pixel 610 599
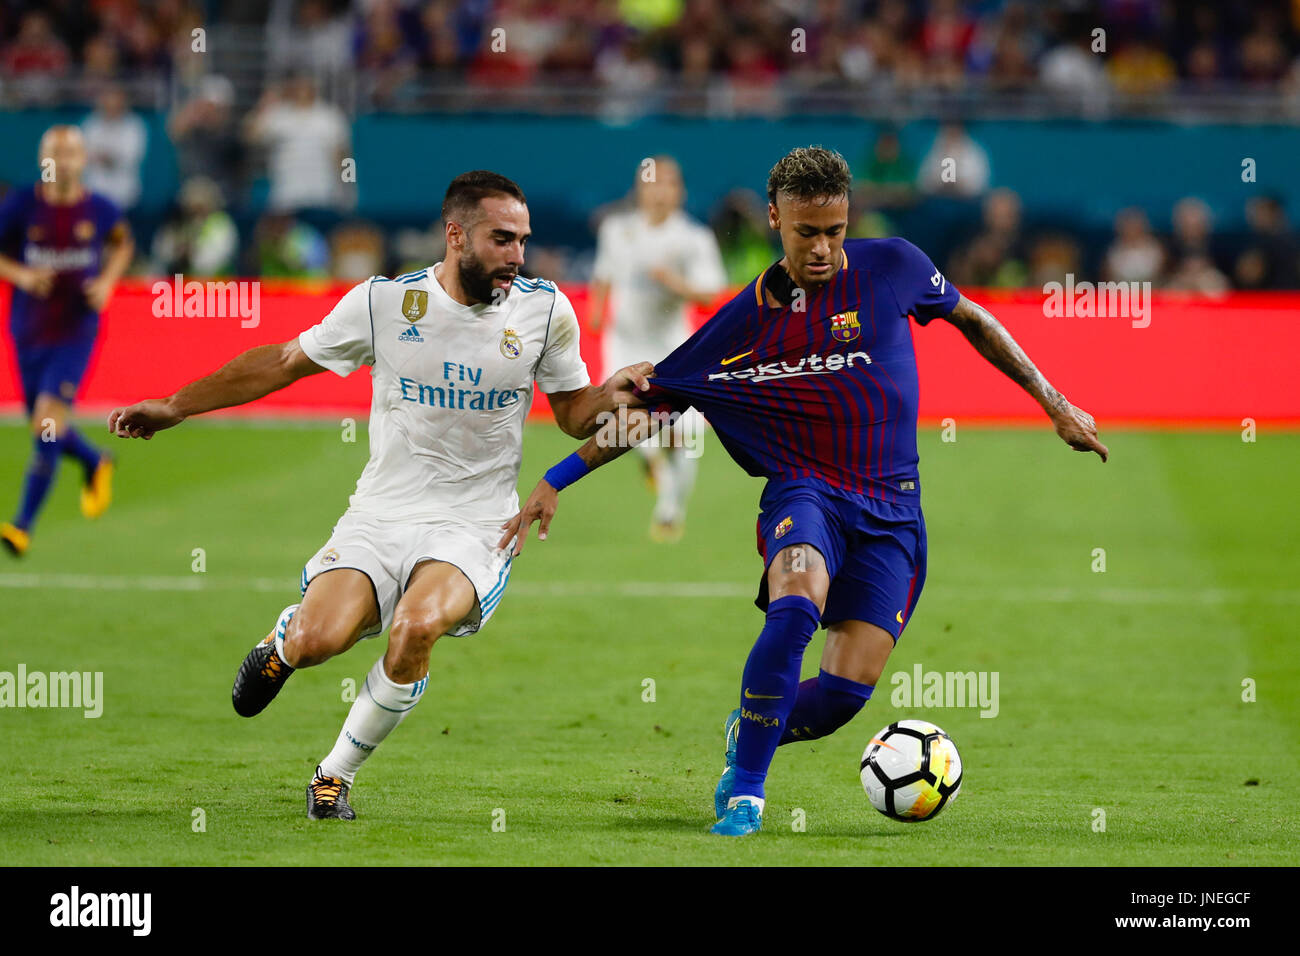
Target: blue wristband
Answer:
pixel 566 472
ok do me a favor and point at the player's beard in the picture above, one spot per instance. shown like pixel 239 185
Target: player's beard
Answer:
pixel 476 280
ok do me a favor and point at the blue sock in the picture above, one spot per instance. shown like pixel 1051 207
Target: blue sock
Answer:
pixel 40 475
pixel 769 686
pixel 71 443
pixel 825 704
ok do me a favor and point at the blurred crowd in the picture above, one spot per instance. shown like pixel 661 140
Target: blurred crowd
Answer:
pixel 306 226
pixel 262 191
pixel 749 53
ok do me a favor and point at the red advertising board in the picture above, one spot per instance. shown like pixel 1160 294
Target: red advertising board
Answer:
pixel 1196 361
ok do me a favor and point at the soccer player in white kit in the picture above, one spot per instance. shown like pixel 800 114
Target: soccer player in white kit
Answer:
pixel 650 262
pixel 454 351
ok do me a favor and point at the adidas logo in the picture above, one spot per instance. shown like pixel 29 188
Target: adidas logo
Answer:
pixel 412 334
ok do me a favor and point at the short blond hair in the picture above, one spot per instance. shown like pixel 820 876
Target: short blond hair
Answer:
pixel 810 172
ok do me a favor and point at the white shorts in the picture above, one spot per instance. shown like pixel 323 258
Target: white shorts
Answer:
pixel 388 551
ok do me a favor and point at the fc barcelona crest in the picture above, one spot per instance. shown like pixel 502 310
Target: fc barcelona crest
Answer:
pixel 414 303
pixel 845 327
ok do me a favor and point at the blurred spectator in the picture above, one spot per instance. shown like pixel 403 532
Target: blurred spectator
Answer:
pixel 995 257
pixel 415 249
pixel 744 237
pixel 888 177
pixel 35 58
pixel 115 145
pixel 1192 225
pixel 1271 259
pixel 385 49
pixel 1052 257
pixel 1191 263
pixel 202 239
pixel 36 50
pixel 1261 53
pixel 357 251
pixel 284 248
pixel 1139 68
pixel 204 134
pixel 307 141
pixel 308 35
pixel 955 166
pixel 1072 69
pixel 1135 255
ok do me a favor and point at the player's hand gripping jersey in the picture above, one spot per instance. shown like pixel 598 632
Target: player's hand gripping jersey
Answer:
pixel 823 386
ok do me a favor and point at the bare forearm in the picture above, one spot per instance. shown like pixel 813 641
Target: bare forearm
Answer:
pixel 995 343
pixel 118 260
pixel 10 269
pixel 618 434
pixel 245 378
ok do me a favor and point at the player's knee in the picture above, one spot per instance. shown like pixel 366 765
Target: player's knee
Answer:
pixel 410 640
pixel 309 641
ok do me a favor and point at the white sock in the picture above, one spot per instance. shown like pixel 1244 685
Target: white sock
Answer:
pixel 282 627
pixel 684 469
pixel 379 708
pixel 735 800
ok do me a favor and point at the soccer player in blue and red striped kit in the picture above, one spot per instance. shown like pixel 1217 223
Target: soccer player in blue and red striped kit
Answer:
pixel 63 247
pixel 809 378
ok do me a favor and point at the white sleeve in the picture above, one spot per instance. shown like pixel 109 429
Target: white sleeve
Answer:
pixel 704 271
pixel 561 368
pixel 344 340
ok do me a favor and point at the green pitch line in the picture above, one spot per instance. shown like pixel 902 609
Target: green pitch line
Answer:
pixel 1119 690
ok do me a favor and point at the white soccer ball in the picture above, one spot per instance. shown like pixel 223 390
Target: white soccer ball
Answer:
pixel 911 770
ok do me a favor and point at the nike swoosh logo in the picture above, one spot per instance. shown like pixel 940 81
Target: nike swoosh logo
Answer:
pixel 737 358
pixel 749 696
pixel 899 617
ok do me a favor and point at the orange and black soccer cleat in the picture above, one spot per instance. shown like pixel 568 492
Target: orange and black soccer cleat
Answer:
pixel 263 672
pixel 97 492
pixel 327 799
pixel 15 539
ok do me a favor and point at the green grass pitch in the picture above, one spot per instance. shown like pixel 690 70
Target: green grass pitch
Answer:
pixel 1120 691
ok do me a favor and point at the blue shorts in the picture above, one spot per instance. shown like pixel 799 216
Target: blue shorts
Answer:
pixel 53 369
pixel 875 551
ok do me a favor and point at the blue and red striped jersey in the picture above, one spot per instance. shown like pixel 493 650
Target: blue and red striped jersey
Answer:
pixel 822 386
pixel 66 238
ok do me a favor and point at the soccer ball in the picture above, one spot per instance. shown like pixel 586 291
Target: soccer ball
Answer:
pixel 911 770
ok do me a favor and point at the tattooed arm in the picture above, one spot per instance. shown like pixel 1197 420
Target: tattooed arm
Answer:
pixel 1075 426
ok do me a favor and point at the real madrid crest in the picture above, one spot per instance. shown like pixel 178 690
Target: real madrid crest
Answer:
pixel 845 327
pixel 414 303
pixel 329 557
pixel 511 345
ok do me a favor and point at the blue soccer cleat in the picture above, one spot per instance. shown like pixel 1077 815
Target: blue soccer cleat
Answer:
pixel 721 796
pixel 742 819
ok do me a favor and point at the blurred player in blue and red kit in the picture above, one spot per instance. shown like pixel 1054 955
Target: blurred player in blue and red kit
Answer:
pixel 808 377
pixel 63 248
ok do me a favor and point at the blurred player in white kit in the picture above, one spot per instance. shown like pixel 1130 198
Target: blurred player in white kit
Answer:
pixel 651 261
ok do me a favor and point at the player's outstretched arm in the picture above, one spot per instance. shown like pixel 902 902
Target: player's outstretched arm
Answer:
pixel 1075 426
pixel 245 378
pixel 580 412
pixel 603 447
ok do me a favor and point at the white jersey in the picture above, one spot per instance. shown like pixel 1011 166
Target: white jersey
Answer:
pixel 452 385
pixel 649 321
